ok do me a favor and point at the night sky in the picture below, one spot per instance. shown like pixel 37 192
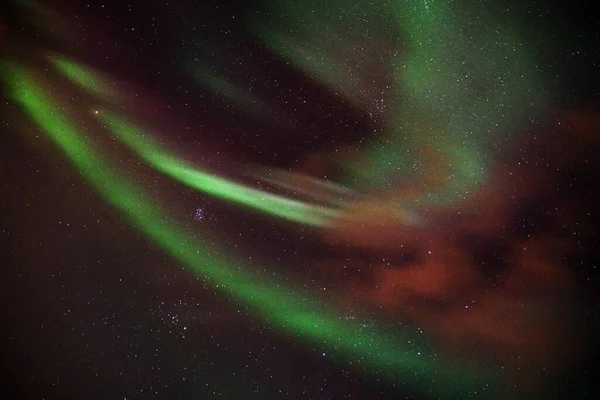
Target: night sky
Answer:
pixel 309 200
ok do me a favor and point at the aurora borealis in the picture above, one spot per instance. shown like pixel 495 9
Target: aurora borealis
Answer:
pixel 378 216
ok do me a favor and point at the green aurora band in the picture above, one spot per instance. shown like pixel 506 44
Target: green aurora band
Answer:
pixel 453 80
pixel 171 165
pixel 455 90
pixel 373 349
pixel 207 183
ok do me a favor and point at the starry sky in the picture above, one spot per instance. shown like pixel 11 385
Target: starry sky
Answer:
pixel 315 200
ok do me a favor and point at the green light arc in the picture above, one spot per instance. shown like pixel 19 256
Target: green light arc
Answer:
pixel 279 305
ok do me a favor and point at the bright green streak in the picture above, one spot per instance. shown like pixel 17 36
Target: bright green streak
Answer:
pixel 277 303
pixel 170 165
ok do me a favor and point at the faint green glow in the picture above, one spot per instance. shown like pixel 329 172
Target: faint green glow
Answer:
pixel 278 303
pixel 451 76
pixel 83 76
pixel 227 90
pixel 336 42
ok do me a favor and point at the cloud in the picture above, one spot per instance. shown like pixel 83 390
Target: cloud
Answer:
pixel 487 276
